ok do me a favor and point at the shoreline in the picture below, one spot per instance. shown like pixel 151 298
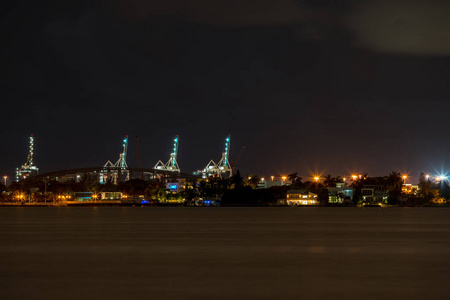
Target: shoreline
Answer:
pixel 120 204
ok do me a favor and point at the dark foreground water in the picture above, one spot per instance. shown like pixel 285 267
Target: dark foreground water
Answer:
pixel 224 253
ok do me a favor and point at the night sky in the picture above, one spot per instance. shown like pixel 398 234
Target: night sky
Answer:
pixel 311 86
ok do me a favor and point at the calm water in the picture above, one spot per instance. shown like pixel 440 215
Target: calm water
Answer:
pixel 224 253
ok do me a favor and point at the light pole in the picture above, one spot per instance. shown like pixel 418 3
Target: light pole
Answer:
pixel 5 177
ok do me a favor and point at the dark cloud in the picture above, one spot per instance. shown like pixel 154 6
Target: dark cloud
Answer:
pixel 403 27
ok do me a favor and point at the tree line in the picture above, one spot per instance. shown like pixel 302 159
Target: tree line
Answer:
pixel 235 190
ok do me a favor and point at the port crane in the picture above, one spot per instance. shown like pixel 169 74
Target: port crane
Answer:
pixel 172 164
pixel 223 167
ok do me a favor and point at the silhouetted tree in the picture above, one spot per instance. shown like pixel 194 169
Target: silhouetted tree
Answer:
pixel 252 181
pixel 237 180
pixel 133 187
pixel 296 182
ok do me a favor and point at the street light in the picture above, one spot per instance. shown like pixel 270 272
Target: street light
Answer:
pixel 316 178
pixel 5 177
pixel 404 178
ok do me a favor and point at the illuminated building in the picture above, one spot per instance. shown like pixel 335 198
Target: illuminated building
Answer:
pixel 340 194
pixel 298 197
pixel 410 189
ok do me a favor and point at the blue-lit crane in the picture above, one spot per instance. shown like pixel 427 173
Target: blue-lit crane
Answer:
pixel 222 167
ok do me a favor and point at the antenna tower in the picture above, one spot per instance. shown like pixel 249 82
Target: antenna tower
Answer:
pixel 138 153
pixel 28 169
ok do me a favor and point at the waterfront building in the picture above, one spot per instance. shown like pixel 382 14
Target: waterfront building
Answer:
pixel 340 194
pixel 374 194
pixel 299 197
pixel 410 189
pixel 82 196
pixel 111 196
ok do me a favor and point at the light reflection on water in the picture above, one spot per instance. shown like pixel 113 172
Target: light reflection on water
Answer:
pixel 224 253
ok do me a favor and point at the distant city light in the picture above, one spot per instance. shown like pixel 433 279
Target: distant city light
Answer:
pixel 441 178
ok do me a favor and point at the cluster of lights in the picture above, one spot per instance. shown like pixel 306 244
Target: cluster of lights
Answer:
pixel 438 178
pixel 355 177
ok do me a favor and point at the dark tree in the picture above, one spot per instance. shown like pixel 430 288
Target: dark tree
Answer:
pixel 296 182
